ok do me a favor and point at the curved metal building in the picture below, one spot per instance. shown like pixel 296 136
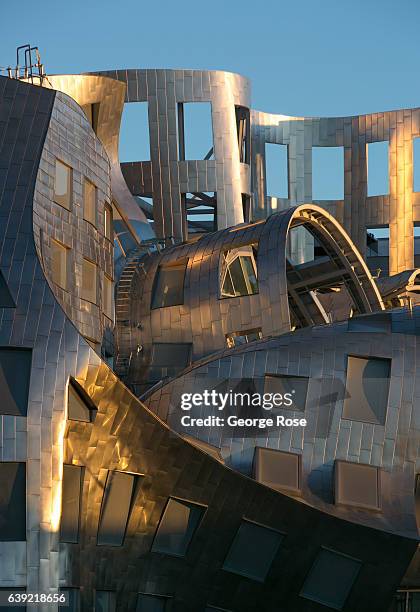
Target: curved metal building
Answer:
pixel 114 311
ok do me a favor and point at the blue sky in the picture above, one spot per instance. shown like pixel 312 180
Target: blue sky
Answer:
pixel 308 57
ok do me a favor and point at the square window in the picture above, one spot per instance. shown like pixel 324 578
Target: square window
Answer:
pixel 89 202
pixel 71 502
pixel 89 281
pixel 177 526
pixel 117 500
pixel 59 264
pixel 357 484
pixel 252 551
pixel 367 387
pixel 331 578
pixel 108 222
pixel 377 156
pixel 15 373
pixel 377 241
pixel 63 184
pixel 278 469
pixel 108 298
pixel 327 173
pixel 169 286
pixel 12 502
pixel 151 603
pixel 105 601
pixel 293 390
pixel 277 170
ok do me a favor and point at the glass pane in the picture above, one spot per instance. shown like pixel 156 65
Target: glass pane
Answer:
pixel 90 202
pixel 15 372
pixel 59 264
pixel 239 272
pixel 176 529
pixel 108 297
pixel 62 184
pixel 89 281
pixel 115 508
pixel 70 503
pixel 367 387
pixel 108 222
pixel 169 286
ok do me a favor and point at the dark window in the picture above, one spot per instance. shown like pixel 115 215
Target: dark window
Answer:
pixel 105 601
pixel 277 469
pixel 243 129
pixel 9 590
pixel 80 406
pixel 15 371
pixel 246 207
pixel 70 503
pixel 151 603
pixel 357 484
pixel 330 579
pixel 179 521
pixel 252 551
pixel 74 599
pixel 377 241
pixel 293 389
pixel 276 170
pixel 171 355
pixel 195 130
pixel 6 300
pixel 377 156
pixel 120 490
pixel 243 337
pixel 238 273
pixel 12 502
pixel 327 173
pixel 169 286
pixel 367 387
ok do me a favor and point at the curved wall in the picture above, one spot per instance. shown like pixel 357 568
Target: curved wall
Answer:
pixel 166 177
pixel 399 209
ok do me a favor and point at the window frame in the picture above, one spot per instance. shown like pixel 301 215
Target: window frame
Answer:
pixel 57 199
pixel 86 182
pixel 96 267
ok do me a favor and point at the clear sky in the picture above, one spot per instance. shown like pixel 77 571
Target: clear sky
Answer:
pixel 304 57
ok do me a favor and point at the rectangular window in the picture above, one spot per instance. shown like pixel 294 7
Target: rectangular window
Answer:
pixel 177 526
pixel 117 500
pixel 89 202
pixel 377 158
pixel 108 298
pixel 243 337
pixel 195 130
pixel 252 551
pixel 15 372
pixel 357 484
pixel 278 469
pixel 331 578
pixel 293 390
pixel 151 603
pixel 6 300
pixel 134 139
pixel 367 388
pixel 377 241
pixel 169 285
pixel 327 173
pixel 12 502
pixel 108 223
pixel 243 128
pixel 79 405
pixel 63 184
pixel 59 264
pixel 171 354
pixel 277 170
pixel 238 272
pixel 105 601
pixel 89 281
pixel 71 503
